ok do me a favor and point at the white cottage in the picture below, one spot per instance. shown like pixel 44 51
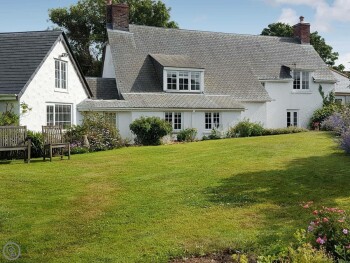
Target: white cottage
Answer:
pixel 206 79
pixel 38 69
pixel 190 78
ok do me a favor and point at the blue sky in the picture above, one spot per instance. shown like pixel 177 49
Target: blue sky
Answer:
pixel 329 17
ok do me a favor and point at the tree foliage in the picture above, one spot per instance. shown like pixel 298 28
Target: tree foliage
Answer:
pixel 284 30
pixel 85 26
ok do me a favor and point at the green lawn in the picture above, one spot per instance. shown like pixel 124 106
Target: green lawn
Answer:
pixel 149 204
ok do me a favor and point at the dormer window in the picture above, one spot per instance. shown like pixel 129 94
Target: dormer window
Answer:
pixel 183 80
pixel 179 73
pixel 301 80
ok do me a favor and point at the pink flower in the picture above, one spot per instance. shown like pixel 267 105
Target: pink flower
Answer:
pixel 315 212
pixel 320 241
pixel 325 220
pixel 341 220
pixel 310 228
pixel 345 231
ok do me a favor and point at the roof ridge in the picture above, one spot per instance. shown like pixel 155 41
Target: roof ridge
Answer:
pixel 28 32
pixel 211 32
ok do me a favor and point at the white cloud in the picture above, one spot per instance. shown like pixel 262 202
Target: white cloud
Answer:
pixel 345 60
pixel 288 16
pixel 325 13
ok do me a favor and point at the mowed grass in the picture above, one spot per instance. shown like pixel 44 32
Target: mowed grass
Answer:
pixel 151 204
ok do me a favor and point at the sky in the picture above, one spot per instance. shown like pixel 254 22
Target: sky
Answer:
pixel 331 18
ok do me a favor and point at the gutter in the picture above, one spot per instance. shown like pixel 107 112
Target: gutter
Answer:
pixel 157 109
pixel 4 97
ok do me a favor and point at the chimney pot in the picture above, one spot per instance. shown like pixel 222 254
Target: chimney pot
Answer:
pixel 302 31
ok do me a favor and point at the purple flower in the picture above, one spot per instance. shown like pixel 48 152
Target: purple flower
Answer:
pixel 310 228
pixel 345 231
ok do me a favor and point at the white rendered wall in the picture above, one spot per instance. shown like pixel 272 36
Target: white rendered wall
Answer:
pixel 41 91
pixel 285 98
pixel 108 66
pixel 190 119
pixel 255 112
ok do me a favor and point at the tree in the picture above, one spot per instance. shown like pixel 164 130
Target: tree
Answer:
pixel 284 30
pixel 85 26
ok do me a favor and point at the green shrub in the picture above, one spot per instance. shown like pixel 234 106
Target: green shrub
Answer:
pixel 321 114
pixel 101 134
pixel 187 135
pixel 215 134
pixel 291 129
pixel 245 128
pixel 8 117
pixel 330 231
pixel 150 130
pixel 78 150
pixel 257 129
pixel 37 144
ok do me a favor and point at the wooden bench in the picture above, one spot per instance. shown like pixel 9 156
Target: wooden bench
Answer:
pixel 14 138
pixel 53 139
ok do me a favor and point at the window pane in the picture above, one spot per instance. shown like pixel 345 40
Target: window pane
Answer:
pixel 216 119
pixel 295 119
pixel 64 75
pixel 63 115
pixel 171 80
pixel 296 82
pixel 57 74
pixel 177 121
pixel 49 115
pixel 195 80
pixel 305 80
pixel 183 80
pixel 288 119
pixel 208 123
pixel 169 117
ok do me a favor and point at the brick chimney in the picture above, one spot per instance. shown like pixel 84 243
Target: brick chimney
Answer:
pixel 302 31
pixel 117 16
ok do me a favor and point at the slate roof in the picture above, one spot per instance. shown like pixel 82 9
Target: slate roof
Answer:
pixel 176 61
pixel 163 101
pixel 21 53
pixel 234 64
pixel 343 82
pixel 103 88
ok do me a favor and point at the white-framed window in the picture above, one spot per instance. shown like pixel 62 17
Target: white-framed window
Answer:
pixel 183 80
pixel 301 80
pixel 175 118
pixel 59 115
pixel 292 118
pixel 111 118
pixel 212 120
pixel 61 74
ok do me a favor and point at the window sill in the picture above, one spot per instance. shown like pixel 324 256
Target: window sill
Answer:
pixel 184 91
pixel 61 90
pixel 301 92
